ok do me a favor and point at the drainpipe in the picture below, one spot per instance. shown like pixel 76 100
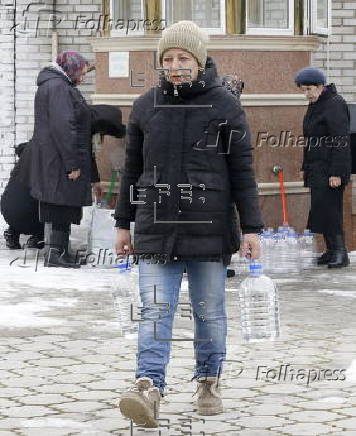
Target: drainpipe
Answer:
pixel 14 67
pixel 54 31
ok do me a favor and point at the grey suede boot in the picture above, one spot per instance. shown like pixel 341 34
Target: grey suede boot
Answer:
pixel 141 403
pixel 209 397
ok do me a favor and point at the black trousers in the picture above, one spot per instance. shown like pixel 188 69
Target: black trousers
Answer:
pixel 59 215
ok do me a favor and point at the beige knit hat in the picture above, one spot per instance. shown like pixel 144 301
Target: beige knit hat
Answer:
pixel 186 35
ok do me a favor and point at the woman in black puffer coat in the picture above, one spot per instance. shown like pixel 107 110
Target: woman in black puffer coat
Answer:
pixel 188 170
pixel 326 162
pixel 61 152
pixel 198 137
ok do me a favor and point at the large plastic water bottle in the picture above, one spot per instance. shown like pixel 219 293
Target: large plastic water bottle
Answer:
pixel 293 260
pixel 126 300
pixel 279 253
pixel 284 229
pixel 239 263
pixel 308 250
pixel 259 306
pixel 267 249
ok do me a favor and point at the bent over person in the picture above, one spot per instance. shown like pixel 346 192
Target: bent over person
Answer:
pixel 189 166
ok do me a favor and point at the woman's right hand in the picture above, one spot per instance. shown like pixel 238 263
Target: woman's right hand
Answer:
pixel 123 242
pixel 74 174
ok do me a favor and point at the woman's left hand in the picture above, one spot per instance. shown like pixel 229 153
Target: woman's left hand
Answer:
pixel 334 182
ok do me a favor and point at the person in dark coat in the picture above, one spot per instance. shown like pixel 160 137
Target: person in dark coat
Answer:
pixel 107 120
pixel 61 152
pixel 18 208
pixel 326 162
pixel 188 168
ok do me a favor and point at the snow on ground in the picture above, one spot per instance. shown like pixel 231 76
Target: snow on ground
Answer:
pixel 338 293
pixel 351 372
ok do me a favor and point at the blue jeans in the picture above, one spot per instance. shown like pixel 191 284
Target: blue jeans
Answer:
pixel 159 291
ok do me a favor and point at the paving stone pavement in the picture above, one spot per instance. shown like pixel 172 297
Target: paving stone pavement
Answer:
pixel 63 363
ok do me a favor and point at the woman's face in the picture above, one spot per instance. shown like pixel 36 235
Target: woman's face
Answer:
pixel 81 78
pixel 312 92
pixel 180 66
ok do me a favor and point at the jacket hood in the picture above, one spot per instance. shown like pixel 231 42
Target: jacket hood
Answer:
pixel 50 73
pixel 20 148
pixel 206 80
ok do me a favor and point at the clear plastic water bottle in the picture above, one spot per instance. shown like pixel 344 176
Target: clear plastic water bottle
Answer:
pixel 259 306
pixel 235 260
pixel 279 253
pixel 239 264
pixel 284 229
pixel 293 261
pixel 126 300
pixel 243 266
pixel 267 249
pixel 308 249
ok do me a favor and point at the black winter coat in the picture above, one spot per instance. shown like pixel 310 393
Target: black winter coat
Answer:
pixel 61 142
pixel 187 174
pixel 19 209
pixel 326 128
pixel 107 120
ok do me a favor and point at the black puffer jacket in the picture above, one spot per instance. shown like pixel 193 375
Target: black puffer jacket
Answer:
pixel 61 142
pixel 185 139
pixel 326 129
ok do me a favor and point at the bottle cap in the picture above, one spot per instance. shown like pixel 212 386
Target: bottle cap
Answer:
pixel 256 268
pixel 268 231
pixel 292 233
pixel 122 267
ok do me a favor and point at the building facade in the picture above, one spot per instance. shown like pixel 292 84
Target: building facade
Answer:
pixel 263 42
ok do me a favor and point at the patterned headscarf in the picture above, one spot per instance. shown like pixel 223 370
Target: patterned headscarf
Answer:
pixel 72 64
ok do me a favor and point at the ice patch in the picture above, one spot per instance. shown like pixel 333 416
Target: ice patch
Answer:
pixel 18 275
pixel 351 372
pixel 53 423
pixel 333 400
pixel 348 294
pixel 285 280
pixel 27 314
